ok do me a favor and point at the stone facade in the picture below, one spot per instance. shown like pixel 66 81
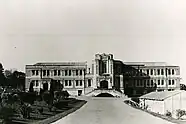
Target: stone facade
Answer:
pixel 104 73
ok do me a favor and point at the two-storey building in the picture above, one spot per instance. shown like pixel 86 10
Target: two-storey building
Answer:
pixel 105 73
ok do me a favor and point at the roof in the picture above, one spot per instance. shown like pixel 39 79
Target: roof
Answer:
pixel 160 95
pixel 148 63
pixel 61 63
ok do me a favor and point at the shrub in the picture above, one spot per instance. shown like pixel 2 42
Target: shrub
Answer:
pixel 168 114
pixel 29 97
pixel 48 98
pixel 25 110
pixel 180 113
pixel 6 113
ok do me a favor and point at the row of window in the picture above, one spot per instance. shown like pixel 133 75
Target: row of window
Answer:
pixel 67 82
pixel 35 83
pixel 77 82
pixel 152 83
pixel 57 72
pixel 160 72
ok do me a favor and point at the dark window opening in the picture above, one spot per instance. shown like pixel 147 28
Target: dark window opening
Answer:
pixel 158 71
pixel 37 72
pixel 162 82
pixel 33 72
pixel 70 83
pixel 48 72
pixel 158 82
pixel 80 73
pixel 76 72
pixel 172 82
pixel 77 82
pixel 66 72
pixel 44 72
pixel 80 83
pixel 66 83
pixel 89 82
pixel 59 72
pixel 55 72
pixel 69 72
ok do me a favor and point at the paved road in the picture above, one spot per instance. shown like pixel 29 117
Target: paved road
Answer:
pixel 109 111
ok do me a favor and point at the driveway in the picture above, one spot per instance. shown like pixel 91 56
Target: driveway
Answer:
pixel 109 111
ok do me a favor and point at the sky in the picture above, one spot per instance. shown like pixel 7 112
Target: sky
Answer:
pixel 34 31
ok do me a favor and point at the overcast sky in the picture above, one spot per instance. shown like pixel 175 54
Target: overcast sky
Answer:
pixel 74 30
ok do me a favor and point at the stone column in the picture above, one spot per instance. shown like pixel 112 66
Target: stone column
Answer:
pixel 63 72
pixel 107 67
pixel 121 83
pixel 97 67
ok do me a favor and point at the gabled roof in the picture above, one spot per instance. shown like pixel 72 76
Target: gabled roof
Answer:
pixel 159 96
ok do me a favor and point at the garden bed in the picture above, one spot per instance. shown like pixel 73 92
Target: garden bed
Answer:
pixel 47 116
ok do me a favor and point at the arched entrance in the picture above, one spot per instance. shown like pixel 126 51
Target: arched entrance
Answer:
pixel 104 95
pixel 104 84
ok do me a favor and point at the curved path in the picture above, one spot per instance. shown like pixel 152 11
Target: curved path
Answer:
pixel 109 111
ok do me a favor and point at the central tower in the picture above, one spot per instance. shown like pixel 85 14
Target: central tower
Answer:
pixel 103 67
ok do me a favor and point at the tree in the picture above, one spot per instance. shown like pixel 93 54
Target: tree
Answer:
pixel 48 98
pixel 2 76
pixel 31 88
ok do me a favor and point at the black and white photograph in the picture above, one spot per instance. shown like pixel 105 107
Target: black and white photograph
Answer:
pixel 92 61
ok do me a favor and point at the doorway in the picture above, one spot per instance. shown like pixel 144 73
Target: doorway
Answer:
pixel 104 84
pixel 79 92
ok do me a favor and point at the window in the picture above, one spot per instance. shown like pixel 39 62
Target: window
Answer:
pixel 152 83
pixel 89 82
pixel 162 82
pixel 66 82
pixel 172 71
pixel 148 83
pixel 33 72
pixel 70 83
pixel 59 72
pixel 80 83
pixel 48 72
pixel 55 72
pixel 158 82
pixel 169 82
pixel 169 71
pixel 151 71
pixel 37 84
pixel 162 71
pixel 147 72
pixel 80 73
pixel 158 71
pixel 44 72
pixel 69 72
pixel 172 82
pixel 141 82
pixel 66 72
pixel 76 72
pixel 144 82
pixel 77 82
pixel 104 67
pixel 37 72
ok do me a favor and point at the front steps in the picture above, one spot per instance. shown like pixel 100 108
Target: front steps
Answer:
pixel 113 92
